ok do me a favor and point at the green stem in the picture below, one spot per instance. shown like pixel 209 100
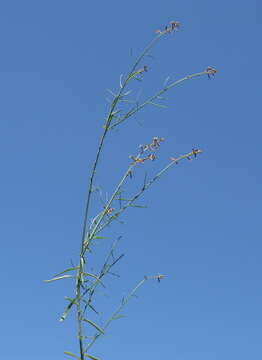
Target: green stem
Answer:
pixel 89 196
pixel 161 92
pixel 123 303
pixel 146 186
pixel 107 207
pixel 107 127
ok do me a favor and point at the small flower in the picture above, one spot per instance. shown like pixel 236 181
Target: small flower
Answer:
pixel 110 210
pixel 130 174
pixel 151 157
pixel 156 277
pixel 143 148
pixel 196 151
pixel 174 25
pixel 137 160
pixel 210 71
pixel 156 143
pixel 142 70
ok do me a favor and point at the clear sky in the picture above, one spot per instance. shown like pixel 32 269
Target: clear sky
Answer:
pixel 202 227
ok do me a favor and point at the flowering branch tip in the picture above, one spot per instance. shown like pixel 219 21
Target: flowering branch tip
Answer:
pixel 210 71
pixel 174 25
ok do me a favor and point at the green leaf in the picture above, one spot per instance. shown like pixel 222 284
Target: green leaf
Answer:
pixel 59 278
pixel 111 92
pixel 94 325
pixel 70 269
pixel 138 206
pixel 71 354
pixel 92 307
pixel 116 317
pixel 158 105
pixel 127 93
pixel 64 315
pixel 133 75
pixel 95 277
pixel 91 357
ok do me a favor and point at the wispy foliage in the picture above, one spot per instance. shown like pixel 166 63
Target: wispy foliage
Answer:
pixel 86 283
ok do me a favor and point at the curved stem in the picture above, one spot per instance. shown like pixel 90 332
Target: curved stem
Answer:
pixel 90 189
pixel 159 93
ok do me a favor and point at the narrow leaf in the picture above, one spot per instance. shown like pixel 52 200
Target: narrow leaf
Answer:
pixel 111 273
pixel 166 81
pixel 59 278
pixel 116 317
pixel 158 105
pixel 114 113
pixel 131 76
pixel 64 315
pixel 95 277
pixel 115 261
pixel 94 325
pixel 123 199
pixel 120 81
pixel 111 92
pixel 91 307
pixel 71 354
pixel 91 357
pixel 128 101
pixel 127 93
pixel 70 269
pixel 138 206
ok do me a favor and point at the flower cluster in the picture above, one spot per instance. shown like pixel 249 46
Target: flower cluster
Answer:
pixel 139 160
pixel 143 148
pixel 189 156
pixel 174 25
pixel 156 277
pixel 142 70
pixel 110 210
pixel 153 146
pixel 210 71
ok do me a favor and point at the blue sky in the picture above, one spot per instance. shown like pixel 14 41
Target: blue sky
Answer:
pixel 202 227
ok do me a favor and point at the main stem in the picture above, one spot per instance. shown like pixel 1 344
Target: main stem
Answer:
pixel 89 196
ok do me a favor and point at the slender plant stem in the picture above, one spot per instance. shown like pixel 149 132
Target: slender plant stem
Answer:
pixel 107 127
pixel 123 303
pixel 140 58
pixel 84 288
pixel 157 95
pixel 147 185
pixel 115 193
pixel 84 245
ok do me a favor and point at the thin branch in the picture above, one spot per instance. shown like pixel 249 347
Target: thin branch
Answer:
pixel 159 93
pixel 84 245
pixel 175 161
pixel 114 315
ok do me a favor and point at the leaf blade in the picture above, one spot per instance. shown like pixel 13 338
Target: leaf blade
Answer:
pixel 64 315
pixel 94 325
pixel 95 277
pixel 91 357
pixel 59 278
pixel 71 354
pixel 69 269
